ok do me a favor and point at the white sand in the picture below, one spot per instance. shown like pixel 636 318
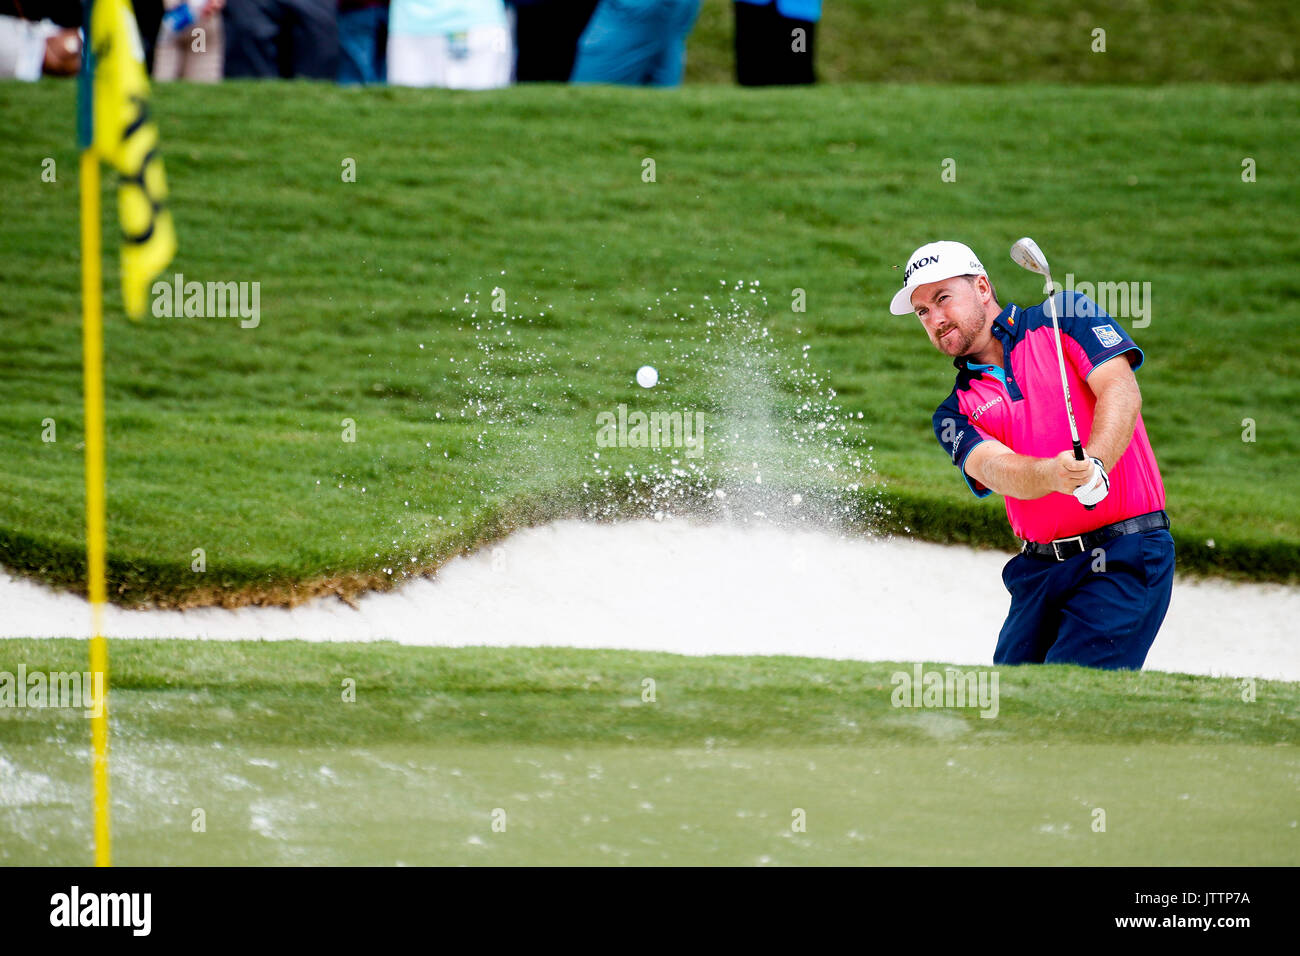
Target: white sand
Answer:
pixel 708 589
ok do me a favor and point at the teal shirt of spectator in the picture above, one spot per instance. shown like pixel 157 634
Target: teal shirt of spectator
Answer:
pixel 810 10
pixel 636 42
pixel 433 17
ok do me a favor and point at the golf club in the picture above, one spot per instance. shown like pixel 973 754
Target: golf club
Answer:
pixel 1026 254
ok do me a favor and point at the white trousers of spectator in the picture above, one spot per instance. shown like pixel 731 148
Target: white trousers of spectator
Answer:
pixel 479 59
pixel 22 47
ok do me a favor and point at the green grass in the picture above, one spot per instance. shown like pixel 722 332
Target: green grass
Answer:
pixel 1003 41
pixel 288 692
pixel 229 439
pixel 258 736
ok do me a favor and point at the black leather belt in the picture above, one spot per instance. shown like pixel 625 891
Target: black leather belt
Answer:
pixel 1062 549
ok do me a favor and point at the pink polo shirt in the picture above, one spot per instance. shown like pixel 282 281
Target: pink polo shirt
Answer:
pixel 1021 405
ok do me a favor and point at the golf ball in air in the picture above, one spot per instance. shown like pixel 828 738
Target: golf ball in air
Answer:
pixel 646 376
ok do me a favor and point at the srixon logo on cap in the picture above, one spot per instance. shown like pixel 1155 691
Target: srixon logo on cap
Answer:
pixel 919 263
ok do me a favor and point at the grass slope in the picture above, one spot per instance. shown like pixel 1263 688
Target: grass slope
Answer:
pixel 711 771
pixel 1002 41
pixel 375 307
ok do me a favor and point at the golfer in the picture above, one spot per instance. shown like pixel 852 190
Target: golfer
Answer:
pixel 1089 586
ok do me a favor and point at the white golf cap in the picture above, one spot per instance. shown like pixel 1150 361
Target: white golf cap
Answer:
pixel 932 262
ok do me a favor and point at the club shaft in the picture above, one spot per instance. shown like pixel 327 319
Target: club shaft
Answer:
pixel 1065 382
pixel 1060 359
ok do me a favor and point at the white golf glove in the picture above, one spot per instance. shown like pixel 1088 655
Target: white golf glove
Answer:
pixel 1097 486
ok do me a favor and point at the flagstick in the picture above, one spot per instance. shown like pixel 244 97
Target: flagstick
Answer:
pixel 92 341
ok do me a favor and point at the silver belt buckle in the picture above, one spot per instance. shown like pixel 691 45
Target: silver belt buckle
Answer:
pixel 1057 551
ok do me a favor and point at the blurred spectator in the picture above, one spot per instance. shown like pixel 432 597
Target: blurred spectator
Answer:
pixel 286 38
pixel 774 41
pixel 546 38
pixel 191 42
pixel 29 48
pixel 637 42
pixel 363 41
pixel 64 13
pixel 148 20
pixel 455 44
pixel 39 36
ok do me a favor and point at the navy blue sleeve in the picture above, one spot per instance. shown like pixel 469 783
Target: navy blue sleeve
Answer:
pixel 958 436
pixel 1098 336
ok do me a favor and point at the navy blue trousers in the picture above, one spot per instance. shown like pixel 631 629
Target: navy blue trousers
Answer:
pixel 1074 612
pixel 285 38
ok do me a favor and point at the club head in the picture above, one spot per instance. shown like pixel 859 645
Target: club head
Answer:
pixel 1026 254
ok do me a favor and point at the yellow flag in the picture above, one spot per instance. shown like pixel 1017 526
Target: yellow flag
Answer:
pixel 126 138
